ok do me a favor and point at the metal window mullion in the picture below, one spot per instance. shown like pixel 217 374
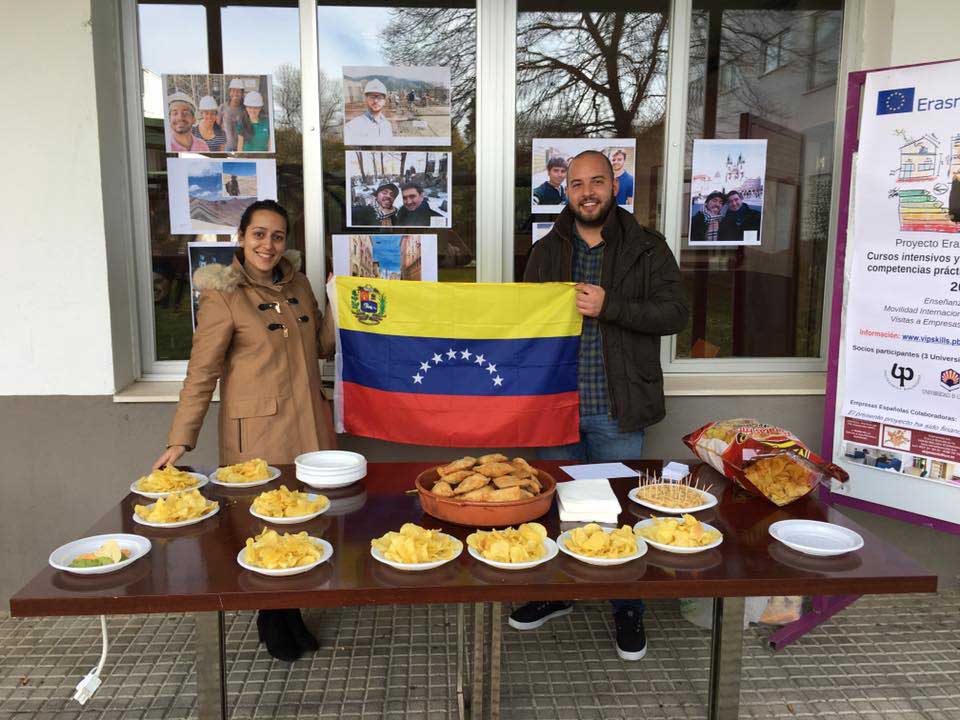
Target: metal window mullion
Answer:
pixel 139 197
pixel 313 219
pixel 496 113
pixel 671 192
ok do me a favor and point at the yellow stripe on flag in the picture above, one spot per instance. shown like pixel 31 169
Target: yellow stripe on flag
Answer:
pixel 458 310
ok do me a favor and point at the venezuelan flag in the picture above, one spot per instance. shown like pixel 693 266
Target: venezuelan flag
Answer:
pixel 457 364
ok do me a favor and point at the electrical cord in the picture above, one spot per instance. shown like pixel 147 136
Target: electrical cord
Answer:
pixel 91 681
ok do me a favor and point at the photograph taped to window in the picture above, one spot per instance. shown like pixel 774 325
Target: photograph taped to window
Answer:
pixel 394 188
pixel 726 192
pixel 396 105
pixel 540 229
pixel 388 257
pixel 202 254
pixel 218 113
pixel 209 196
pixel 551 156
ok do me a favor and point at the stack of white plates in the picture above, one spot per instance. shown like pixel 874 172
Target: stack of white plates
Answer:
pixel 330 469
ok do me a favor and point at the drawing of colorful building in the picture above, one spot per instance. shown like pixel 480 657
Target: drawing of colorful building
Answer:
pixel 920 211
pixel 920 159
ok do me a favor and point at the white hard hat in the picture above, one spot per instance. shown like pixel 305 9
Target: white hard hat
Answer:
pixel 207 103
pixel 375 86
pixel 253 99
pixel 181 97
pixel 235 84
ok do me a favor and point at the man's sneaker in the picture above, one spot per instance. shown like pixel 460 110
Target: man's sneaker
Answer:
pixel 631 638
pixel 534 614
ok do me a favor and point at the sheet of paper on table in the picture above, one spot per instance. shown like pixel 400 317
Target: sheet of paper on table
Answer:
pixel 598 470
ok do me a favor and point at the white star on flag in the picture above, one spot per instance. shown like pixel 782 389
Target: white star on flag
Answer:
pixel 418 379
pixel 465 354
pixel 491 368
pixel 480 360
pixel 437 359
pixel 497 381
pixel 425 366
pixel 451 353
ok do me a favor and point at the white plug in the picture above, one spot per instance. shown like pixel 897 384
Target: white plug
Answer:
pixel 91 681
pixel 87 687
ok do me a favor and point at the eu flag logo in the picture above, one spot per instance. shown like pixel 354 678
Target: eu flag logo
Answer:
pixel 895 101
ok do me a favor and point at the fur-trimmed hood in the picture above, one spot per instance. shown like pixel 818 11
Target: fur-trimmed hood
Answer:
pixel 227 278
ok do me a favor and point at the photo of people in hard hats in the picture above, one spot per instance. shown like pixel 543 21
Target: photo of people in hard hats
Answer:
pixel 395 188
pixel 218 113
pixel 396 105
pixel 549 169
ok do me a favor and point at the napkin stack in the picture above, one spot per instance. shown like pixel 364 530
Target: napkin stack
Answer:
pixel 587 501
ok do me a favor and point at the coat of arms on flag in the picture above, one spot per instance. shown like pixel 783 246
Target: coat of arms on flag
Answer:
pixel 457 364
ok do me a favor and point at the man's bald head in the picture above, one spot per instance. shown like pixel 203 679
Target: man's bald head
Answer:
pixel 594 154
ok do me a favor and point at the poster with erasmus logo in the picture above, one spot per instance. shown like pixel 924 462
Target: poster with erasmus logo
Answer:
pixel 900 368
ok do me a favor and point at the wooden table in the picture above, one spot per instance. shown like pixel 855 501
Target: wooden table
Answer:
pixel 194 569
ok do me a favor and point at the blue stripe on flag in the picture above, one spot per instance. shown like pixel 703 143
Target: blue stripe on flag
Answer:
pixel 528 366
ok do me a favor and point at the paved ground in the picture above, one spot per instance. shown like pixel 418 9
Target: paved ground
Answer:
pixel 885 657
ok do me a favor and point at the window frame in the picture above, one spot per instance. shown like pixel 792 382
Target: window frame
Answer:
pixel 496 69
pixel 781 39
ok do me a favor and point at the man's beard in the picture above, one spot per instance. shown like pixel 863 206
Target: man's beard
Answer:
pixel 599 219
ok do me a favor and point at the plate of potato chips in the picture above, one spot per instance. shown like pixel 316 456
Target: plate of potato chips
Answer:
pixel 288 507
pixel 684 535
pixel 513 548
pixel 276 555
pixel 246 474
pixel 597 545
pixel 166 481
pixel 176 510
pixel 415 548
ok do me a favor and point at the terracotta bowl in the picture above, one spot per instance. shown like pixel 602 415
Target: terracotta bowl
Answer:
pixel 484 514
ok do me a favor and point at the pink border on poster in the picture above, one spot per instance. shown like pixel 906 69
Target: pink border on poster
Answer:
pixel 851 139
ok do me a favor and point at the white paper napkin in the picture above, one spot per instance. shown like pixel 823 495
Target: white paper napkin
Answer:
pixel 587 500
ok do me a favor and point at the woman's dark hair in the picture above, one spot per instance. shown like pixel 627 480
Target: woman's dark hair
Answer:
pixel 271 205
pixel 715 194
pixel 246 127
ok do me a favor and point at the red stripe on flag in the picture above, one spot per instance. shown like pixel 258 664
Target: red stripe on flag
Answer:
pixel 461 421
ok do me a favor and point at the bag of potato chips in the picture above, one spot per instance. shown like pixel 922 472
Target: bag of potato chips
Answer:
pixel 763 459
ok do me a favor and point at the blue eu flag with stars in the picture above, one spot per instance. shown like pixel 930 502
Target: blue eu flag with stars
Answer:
pixel 895 101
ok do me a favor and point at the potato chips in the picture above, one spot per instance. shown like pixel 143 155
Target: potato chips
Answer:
pixel 249 471
pixel 763 459
pixel 284 503
pixel 176 508
pixel 688 532
pixel 513 545
pixel 273 551
pixel 166 479
pixel 593 541
pixel 414 544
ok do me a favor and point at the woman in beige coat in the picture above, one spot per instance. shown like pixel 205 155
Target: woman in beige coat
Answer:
pixel 259 331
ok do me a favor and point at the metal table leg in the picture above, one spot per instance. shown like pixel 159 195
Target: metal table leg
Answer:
pixel 726 653
pixel 210 643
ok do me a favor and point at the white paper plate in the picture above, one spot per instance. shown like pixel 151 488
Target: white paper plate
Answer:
pixel 418 567
pixel 201 481
pixel 329 461
pixel 274 474
pixel 181 523
pixel 708 503
pixel 674 548
pixel 61 558
pixel 820 539
pixel 284 572
pixel 333 481
pixel 641 551
pixel 551 548
pixel 296 518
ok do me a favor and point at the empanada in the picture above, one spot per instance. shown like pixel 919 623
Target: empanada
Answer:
pixel 508 495
pixel 482 494
pixel 494 469
pixel 473 482
pixel 442 489
pixel 520 463
pixel 464 463
pixel 492 457
pixel 455 477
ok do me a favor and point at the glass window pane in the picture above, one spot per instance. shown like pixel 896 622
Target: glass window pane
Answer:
pixel 173 39
pixel 767 300
pixel 256 40
pixel 590 75
pixel 403 36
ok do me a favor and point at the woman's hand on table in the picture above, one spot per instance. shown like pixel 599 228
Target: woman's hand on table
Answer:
pixel 169 456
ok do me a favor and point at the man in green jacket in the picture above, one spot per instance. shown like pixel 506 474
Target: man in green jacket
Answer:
pixel 630 295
